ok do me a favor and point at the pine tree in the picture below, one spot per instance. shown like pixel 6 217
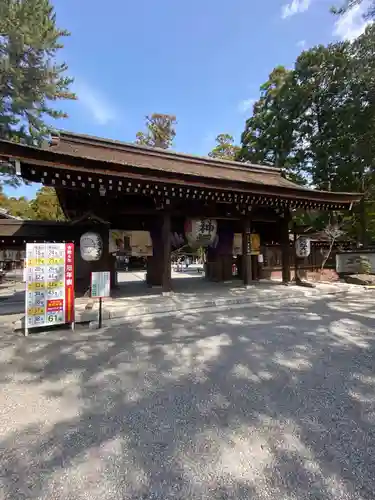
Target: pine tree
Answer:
pixel 225 148
pixel 160 131
pixel 30 78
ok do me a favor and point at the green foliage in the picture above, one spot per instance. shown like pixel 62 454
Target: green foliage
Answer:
pixel 224 149
pixel 270 135
pixel 160 131
pixel 317 123
pixel 45 206
pixel 31 80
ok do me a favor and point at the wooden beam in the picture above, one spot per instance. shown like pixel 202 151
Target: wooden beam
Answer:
pixel 122 171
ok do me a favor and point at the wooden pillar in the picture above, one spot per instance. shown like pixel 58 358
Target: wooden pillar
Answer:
pixel 246 252
pixel 285 246
pixel 297 277
pixel 166 260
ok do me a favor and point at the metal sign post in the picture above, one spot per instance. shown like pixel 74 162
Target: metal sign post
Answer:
pixel 100 288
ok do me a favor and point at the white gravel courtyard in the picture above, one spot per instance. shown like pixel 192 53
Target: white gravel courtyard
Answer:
pixel 274 401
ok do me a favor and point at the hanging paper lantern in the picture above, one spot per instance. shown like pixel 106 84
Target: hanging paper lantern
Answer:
pixel 200 232
pixel 91 246
pixel 303 247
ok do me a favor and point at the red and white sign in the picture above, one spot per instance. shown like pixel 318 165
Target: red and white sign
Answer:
pixel 49 276
pixel 69 283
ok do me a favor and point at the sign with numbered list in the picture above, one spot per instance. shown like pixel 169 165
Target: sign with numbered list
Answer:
pixel 101 284
pixel 49 276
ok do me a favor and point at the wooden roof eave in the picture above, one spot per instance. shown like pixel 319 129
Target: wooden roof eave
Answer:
pixel 47 158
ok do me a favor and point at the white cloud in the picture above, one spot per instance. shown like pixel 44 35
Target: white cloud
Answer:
pixel 301 44
pixel 95 103
pixel 352 24
pixel 294 7
pixel 246 105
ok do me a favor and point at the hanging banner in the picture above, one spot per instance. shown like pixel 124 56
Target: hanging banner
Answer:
pixel 200 232
pixel 303 247
pixel 255 243
pixel 254 240
pixel 49 297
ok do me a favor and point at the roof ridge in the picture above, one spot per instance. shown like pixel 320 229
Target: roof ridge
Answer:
pixel 188 157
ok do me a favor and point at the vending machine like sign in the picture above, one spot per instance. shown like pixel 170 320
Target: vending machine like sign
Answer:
pixel 49 277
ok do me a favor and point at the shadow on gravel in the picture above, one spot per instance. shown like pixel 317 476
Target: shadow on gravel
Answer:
pixel 268 402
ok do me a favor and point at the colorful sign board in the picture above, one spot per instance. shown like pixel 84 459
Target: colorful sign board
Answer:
pixel 101 284
pixel 49 276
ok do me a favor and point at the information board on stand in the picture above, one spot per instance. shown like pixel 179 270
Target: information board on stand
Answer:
pixel 100 288
pixel 49 276
pixel 100 284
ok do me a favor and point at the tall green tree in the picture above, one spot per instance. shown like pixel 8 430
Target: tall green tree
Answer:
pixel 317 122
pixel 46 205
pixel 270 136
pixel 31 79
pixel 160 131
pixel 321 77
pixel 225 148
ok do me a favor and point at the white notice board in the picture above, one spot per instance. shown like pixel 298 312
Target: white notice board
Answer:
pixel 49 276
pixel 101 284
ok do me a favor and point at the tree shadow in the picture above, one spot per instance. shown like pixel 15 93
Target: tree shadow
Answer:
pixel 266 402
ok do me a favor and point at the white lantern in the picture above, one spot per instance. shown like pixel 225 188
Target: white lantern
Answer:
pixel 200 232
pixel 303 247
pixel 91 246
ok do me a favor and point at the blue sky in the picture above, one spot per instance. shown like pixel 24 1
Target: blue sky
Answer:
pixel 201 60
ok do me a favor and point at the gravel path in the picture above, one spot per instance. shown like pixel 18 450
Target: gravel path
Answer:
pixel 271 402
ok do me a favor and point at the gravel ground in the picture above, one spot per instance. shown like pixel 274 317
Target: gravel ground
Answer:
pixel 266 402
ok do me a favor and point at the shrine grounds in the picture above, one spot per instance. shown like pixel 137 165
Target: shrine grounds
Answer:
pixel 274 400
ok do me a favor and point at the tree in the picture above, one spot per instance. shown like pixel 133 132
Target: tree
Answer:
pixel 270 136
pixel 224 149
pixel 160 131
pixel 30 78
pixel 19 207
pixel 332 232
pixel 46 205
pixel 317 122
